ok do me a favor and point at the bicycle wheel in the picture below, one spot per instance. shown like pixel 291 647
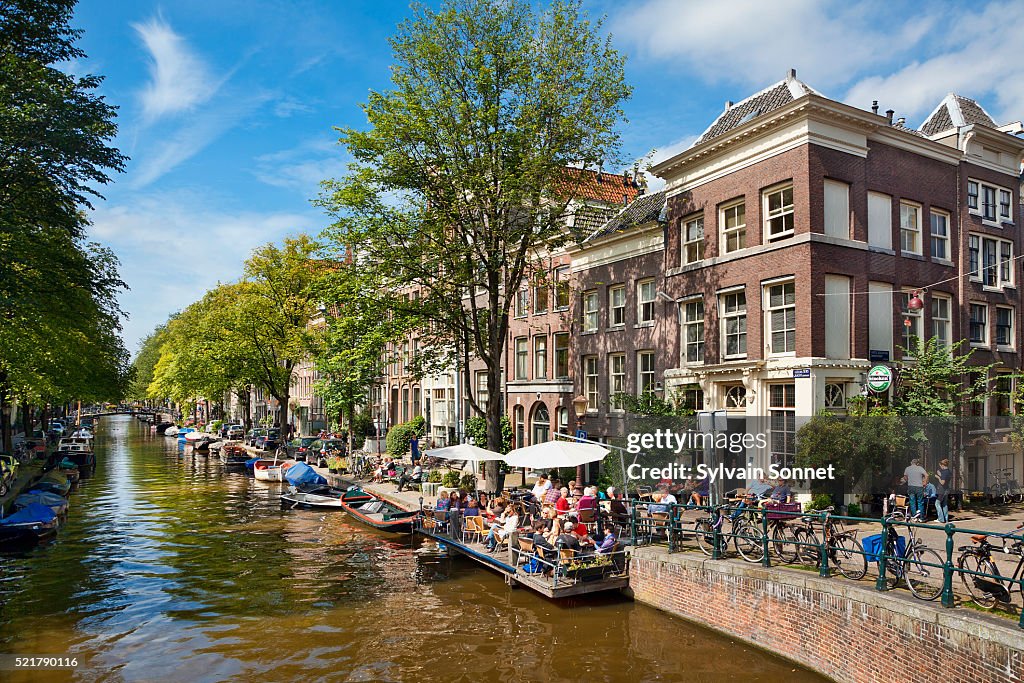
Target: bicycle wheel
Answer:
pixel 747 539
pixel 783 544
pixel 847 556
pixel 807 549
pixel 923 578
pixel 971 561
pixel 704 531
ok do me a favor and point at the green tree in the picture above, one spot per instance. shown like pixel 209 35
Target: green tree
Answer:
pixel 461 174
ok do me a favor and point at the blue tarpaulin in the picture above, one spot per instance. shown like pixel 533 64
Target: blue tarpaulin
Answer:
pixel 300 474
pixel 250 464
pixel 873 547
pixel 33 512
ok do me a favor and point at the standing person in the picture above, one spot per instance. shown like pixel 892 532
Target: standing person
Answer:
pixel 414 450
pixel 915 476
pixel 944 478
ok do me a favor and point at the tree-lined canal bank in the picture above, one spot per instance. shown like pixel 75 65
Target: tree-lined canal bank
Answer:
pixel 171 568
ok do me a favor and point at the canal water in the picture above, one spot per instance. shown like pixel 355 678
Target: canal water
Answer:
pixel 170 568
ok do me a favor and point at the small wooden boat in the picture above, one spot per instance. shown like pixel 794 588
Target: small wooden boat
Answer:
pixel 56 502
pixel 54 482
pixel 233 455
pixel 377 512
pixel 171 431
pixel 69 468
pixel 80 454
pixel 321 497
pixel 270 470
pixel 31 524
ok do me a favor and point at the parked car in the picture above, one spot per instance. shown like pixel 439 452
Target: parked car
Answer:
pixel 236 431
pixel 8 472
pixel 269 440
pixel 253 435
pixel 57 426
pixel 299 447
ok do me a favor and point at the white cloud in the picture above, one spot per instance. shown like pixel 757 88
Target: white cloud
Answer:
pixel 179 79
pixel 174 246
pixel 755 42
pixel 654 183
pixel 304 167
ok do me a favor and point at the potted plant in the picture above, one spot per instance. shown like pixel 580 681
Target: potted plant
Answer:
pixel 587 568
pixel 335 464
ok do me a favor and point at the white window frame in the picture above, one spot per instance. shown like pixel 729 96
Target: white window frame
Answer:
pixel 617 309
pixel 788 413
pixel 562 294
pixel 935 239
pixel 522 303
pixel 999 267
pixel 784 210
pixel 737 232
pixel 540 356
pixel 1012 332
pixel 645 302
pixel 644 372
pixel 616 380
pixel 942 322
pixel 522 358
pixel 590 382
pixel 769 309
pixel 734 397
pixel 916 328
pixel 692 239
pixel 693 326
pixel 835 396
pixel 734 314
pixel 591 310
pixel 557 337
pixel 977 203
pixel 983 306
pixel 910 232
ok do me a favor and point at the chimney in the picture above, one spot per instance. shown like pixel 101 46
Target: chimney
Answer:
pixel 728 105
pixel 888 115
pixel 874 106
pixel 600 175
pixel 791 75
pixel 625 200
pixel 901 121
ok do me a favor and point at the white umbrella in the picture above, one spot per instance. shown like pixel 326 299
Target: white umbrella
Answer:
pixel 463 451
pixel 554 454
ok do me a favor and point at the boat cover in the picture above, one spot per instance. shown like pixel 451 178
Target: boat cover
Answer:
pixel 251 463
pixel 67 464
pixel 300 474
pixel 32 513
pixel 47 498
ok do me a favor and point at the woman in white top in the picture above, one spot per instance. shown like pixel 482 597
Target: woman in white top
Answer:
pixel 540 488
pixel 509 523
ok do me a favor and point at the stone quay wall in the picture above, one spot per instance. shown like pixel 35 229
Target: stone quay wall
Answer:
pixel 845 630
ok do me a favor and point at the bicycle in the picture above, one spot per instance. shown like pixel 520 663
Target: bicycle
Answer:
pixel 745 533
pixel 845 552
pixel 918 565
pixel 1001 489
pixel 986 591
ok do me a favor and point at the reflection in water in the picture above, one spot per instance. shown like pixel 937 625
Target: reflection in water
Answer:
pixel 171 569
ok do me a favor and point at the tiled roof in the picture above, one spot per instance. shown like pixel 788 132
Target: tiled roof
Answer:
pixel 643 209
pixel 905 129
pixel 955 111
pixel 758 104
pixel 584 184
pixel 590 218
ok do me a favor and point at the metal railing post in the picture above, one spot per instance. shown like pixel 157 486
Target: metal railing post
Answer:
pixel 880 583
pixel 632 522
pixel 823 570
pixel 669 535
pixel 766 560
pixel 716 534
pixel 947 570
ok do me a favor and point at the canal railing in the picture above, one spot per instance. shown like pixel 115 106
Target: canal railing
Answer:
pixel 821 540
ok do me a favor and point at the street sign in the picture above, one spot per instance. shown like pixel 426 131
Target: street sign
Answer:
pixel 879 378
pixel 878 356
pixel 581 435
pixel 801 373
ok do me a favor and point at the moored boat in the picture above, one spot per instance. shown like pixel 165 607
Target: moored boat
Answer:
pixel 270 470
pixel 234 455
pixel 54 482
pixel 80 454
pixel 31 524
pixel 69 468
pixel 171 431
pixel 54 501
pixel 321 497
pixel 377 512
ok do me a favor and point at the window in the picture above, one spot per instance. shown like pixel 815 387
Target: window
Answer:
pixel 979 324
pixel 590 311
pixel 736 397
pixel 1003 395
pixel 522 303
pixel 1005 198
pixel 562 415
pixel 693 331
pixel 541 424
pixel 734 324
pixel 995 205
pixel 782 419
pixel 693 397
pixel 910 228
pixel 540 298
pixel 913 325
pixel 734 227
pixel 1004 326
pixel 996 261
pixel 522 357
pixel 693 239
pixel 561 354
pixel 540 357
pixel 481 389
pixel 645 302
pixel 940 319
pixel 561 288
pixel 644 371
pixel 616 378
pixel 940 235
pixel 590 381
pixel 779 212
pixel 782 318
pixel 837 209
pixel 617 303
pixel 835 396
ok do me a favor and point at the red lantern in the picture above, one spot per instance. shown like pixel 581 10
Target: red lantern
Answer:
pixel 915 303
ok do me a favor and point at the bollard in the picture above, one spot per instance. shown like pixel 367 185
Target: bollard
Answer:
pixel 880 583
pixel 947 570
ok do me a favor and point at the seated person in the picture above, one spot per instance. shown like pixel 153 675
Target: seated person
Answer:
pixel 780 494
pixel 562 504
pixel 588 501
pixel 701 491
pixel 582 535
pixel 540 488
pixel 496 507
pixel 442 503
pixel 658 506
pixel 552 496
pixel 667 498
pixel 555 531
pixel 541 543
pixel 620 513
pixel 414 478
pixel 472 508
pixel 509 522
pixel 567 539
pixel 607 544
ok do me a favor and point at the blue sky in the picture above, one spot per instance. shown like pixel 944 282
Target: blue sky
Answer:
pixel 227 107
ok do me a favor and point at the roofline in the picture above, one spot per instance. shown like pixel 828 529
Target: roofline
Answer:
pixel 591 242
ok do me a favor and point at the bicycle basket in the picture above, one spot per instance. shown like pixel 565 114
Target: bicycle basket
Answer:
pixel 873 546
pixel 775 512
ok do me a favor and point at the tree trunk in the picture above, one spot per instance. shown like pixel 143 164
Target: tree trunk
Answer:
pixel 6 435
pixel 27 418
pixel 351 419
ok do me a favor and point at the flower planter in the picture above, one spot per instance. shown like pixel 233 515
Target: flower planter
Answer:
pixel 591 573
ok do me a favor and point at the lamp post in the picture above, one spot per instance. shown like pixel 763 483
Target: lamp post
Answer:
pixel 579 406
